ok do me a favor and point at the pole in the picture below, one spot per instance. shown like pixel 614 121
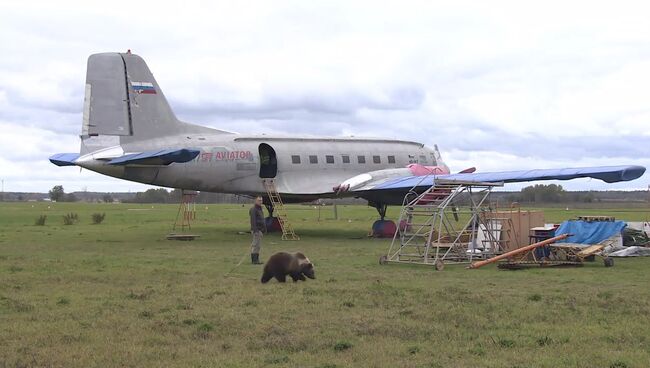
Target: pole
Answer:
pixel 527 248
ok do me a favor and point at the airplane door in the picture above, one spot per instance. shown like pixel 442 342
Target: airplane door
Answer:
pixel 268 161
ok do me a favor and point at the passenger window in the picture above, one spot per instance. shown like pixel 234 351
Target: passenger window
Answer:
pixel 295 159
pixel 313 159
pixel 362 159
pixel 346 159
pixel 329 159
pixel 376 159
pixel 423 159
pixel 391 159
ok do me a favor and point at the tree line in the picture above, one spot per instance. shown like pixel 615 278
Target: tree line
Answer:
pixel 550 193
pixel 158 195
pixel 539 193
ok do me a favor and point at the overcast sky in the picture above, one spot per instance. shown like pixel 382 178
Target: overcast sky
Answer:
pixel 502 86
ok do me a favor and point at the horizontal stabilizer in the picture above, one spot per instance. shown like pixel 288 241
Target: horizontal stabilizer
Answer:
pixel 161 157
pixel 64 159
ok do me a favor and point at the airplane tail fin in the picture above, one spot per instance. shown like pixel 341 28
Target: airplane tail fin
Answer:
pixel 123 99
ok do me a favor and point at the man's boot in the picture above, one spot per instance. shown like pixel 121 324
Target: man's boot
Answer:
pixel 255 258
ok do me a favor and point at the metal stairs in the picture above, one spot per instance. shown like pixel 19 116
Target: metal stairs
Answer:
pixel 278 206
pixel 439 225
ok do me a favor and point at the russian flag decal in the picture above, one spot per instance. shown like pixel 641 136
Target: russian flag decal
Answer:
pixel 143 87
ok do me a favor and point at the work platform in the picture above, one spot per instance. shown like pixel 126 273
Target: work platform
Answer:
pixel 447 223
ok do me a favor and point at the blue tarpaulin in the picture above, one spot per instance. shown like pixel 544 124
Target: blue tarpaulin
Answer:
pixel 608 174
pixel 589 232
pixel 161 157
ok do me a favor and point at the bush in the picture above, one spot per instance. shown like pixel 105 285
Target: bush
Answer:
pixel 414 350
pixel 277 359
pixel 534 297
pixel 203 331
pixel 145 314
pixel 70 219
pixel 40 221
pixel 98 218
pixel 342 345
pixel 205 327
pixel 618 364
pixel 544 340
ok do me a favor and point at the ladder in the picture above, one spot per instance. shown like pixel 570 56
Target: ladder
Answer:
pixel 186 210
pixel 278 206
pixel 497 233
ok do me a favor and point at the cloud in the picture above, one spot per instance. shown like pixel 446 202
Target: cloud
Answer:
pixel 499 85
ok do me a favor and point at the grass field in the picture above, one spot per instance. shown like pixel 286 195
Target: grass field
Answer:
pixel 119 294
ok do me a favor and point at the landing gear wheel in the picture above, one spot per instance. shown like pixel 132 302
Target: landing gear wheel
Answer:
pixel 609 262
pixel 440 265
pixel 382 260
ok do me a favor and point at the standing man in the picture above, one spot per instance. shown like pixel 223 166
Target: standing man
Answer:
pixel 258 225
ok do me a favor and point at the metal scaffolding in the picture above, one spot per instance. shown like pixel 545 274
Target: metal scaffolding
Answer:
pixel 446 224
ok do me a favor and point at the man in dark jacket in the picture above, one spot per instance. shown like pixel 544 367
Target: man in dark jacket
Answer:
pixel 258 226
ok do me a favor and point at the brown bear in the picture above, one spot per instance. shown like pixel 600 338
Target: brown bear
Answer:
pixel 282 264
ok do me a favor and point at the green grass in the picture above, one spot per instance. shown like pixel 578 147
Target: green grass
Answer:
pixel 119 294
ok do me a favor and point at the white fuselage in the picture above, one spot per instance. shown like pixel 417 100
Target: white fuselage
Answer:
pixel 301 167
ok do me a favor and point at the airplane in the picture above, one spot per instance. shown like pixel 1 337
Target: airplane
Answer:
pixel 130 132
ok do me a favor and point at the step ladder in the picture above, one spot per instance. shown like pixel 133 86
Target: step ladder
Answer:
pixel 184 217
pixel 497 233
pixel 278 207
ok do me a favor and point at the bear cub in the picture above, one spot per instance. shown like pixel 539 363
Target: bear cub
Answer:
pixel 282 264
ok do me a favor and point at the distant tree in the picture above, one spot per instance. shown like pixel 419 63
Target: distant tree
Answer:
pixel 589 197
pixel 160 195
pixel 543 193
pixel 175 195
pixel 107 198
pixel 57 193
pixel 70 197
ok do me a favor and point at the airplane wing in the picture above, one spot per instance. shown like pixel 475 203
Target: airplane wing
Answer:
pixel 396 180
pixel 154 158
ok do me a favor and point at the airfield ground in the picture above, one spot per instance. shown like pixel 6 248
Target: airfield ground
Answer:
pixel 119 294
